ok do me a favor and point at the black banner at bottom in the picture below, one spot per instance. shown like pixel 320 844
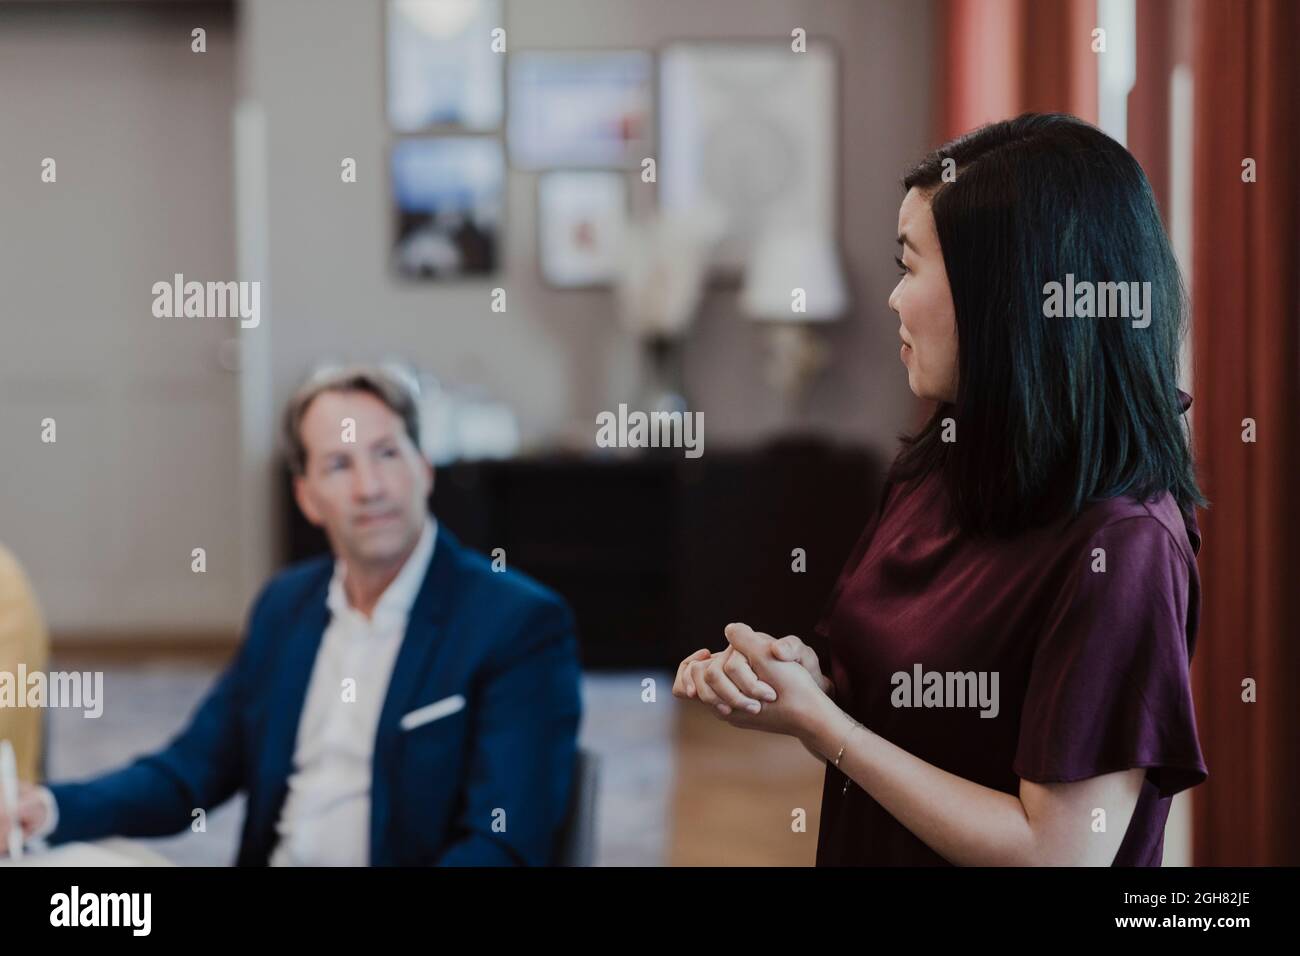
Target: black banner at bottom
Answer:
pixel 229 905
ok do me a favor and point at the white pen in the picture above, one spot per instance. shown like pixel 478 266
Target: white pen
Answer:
pixel 9 789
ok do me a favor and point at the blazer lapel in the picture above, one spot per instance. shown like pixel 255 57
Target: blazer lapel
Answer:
pixel 293 669
pixel 424 635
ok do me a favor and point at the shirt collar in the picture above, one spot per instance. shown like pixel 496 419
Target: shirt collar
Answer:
pixel 398 598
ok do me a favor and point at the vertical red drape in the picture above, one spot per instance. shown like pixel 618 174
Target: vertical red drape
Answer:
pixel 1000 58
pixel 1246 345
pixel 1149 100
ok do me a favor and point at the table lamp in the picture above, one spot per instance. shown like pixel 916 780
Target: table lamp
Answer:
pixel 793 280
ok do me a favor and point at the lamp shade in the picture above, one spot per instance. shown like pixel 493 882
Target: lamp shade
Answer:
pixel 794 275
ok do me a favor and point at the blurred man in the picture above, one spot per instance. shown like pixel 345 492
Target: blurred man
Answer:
pixel 401 703
pixel 23 641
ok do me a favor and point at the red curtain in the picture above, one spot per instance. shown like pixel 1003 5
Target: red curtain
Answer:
pixel 1000 58
pixel 1149 100
pixel 1246 346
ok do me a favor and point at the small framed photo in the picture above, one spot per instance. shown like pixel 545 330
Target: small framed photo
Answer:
pixel 447 202
pixel 580 109
pixel 443 74
pixel 582 217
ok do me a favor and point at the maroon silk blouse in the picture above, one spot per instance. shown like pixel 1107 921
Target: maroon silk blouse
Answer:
pixel 1092 665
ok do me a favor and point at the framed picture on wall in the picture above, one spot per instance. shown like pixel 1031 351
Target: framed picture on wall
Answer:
pixel 442 71
pixel 447 205
pixel 581 217
pixel 579 109
pixel 749 128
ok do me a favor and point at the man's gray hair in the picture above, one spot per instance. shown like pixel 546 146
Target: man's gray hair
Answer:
pixel 392 385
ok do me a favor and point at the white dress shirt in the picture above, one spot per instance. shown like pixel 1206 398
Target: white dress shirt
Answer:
pixel 325 820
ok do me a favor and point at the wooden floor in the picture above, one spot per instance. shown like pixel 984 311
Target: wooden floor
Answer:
pixel 735 795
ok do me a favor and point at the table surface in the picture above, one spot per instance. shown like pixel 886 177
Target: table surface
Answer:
pixel 110 852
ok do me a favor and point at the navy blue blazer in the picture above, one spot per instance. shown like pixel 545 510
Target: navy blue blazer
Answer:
pixel 488 785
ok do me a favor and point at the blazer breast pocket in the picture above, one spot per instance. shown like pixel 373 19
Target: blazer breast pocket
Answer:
pixel 433 713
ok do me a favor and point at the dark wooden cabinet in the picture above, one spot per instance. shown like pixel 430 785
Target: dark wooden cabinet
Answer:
pixel 656 554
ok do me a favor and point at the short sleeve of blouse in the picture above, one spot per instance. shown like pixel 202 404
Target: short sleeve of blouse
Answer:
pixel 1109 687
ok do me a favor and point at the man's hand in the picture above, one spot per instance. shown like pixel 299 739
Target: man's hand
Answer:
pixel 31 813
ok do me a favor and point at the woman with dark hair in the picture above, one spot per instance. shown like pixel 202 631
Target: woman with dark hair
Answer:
pixel 1009 641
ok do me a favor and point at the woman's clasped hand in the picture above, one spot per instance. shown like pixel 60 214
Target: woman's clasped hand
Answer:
pixel 760 682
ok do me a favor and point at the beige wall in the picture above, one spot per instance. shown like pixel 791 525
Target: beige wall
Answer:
pixel 558 357
pixel 160 448
pixel 145 464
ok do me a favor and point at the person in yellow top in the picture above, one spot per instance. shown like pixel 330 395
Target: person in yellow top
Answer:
pixel 23 638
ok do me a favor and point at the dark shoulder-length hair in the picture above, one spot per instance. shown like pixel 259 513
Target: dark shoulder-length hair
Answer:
pixel 1051 412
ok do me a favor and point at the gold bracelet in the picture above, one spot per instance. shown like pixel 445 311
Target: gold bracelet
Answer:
pixel 840 755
